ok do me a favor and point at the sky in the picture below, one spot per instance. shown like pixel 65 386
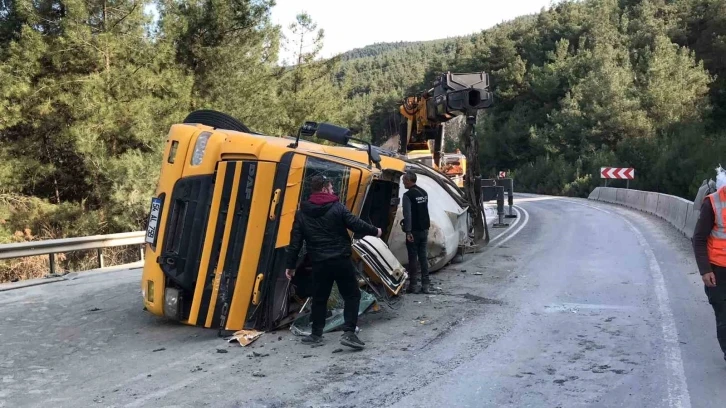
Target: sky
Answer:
pixel 353 24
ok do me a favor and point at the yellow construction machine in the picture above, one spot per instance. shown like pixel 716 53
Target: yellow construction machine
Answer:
pixel 422 131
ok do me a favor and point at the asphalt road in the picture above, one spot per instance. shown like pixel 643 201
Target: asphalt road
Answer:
pixel 575 304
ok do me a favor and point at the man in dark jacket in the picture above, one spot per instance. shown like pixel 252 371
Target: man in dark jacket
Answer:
pixel 709 247
pixel 323 223
pixel 416 225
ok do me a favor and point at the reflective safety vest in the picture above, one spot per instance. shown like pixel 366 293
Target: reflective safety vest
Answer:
pixel 717 239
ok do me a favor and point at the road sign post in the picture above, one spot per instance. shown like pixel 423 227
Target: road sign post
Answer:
pixel 618 173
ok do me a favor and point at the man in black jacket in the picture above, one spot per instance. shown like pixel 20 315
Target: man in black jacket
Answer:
pixel 416 224
pixel 323 223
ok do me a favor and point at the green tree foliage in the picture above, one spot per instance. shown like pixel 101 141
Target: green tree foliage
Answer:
pixel 229 50
pixel 88 97
pixel 306 90
pixel 603 83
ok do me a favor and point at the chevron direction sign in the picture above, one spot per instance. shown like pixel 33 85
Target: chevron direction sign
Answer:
pixel 623 173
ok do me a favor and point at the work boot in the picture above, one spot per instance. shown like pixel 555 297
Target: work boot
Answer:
pixel 414 289
pixel 351 340
pixel 425 289
pixel 312 339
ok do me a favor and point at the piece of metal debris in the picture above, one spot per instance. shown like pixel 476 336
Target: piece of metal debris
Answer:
pixel 338 351
pixel 244 337
pixel 222 351
pixel 159 349
pixel 478 273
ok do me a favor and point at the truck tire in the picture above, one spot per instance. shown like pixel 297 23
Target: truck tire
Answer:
pixel 217 120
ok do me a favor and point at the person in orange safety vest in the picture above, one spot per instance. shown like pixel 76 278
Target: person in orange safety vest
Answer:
pixel 709 247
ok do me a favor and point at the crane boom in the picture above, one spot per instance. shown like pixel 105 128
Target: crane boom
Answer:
pixel 452 95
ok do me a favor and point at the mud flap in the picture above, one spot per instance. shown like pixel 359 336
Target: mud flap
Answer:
pixel 380 264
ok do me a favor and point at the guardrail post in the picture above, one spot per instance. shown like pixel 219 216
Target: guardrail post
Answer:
pixel 508 185
pixel 99 253
pixel 51 257
pixel 500 208
pixel 141 252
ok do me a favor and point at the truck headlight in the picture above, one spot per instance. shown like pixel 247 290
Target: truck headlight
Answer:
pixel 171 303
pixel 199 147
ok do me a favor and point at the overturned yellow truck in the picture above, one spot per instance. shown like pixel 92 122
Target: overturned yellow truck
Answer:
pixel 222 213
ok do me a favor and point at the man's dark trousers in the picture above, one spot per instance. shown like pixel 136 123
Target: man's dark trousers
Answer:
pixel 418 259
pixel 717 299
pixel 342 272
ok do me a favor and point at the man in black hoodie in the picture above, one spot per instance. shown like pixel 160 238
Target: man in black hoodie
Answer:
pixel 323 223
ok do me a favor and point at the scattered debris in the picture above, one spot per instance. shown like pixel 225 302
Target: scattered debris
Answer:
pixel 338 350
pixel 256 354
pixel 302 326
pixel 195 369
pixel 148 375
pixel 245 337
pixel 478 273
pixel 258 374
pixel 222 351
pixel 463 271
pixel 159 349
pixel 307 355
pixel 95 309
pixel 279 338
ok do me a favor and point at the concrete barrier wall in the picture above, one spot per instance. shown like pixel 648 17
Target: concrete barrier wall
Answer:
pixel 651 202
pixel 677 211
pixel 607 194
pixel 620 196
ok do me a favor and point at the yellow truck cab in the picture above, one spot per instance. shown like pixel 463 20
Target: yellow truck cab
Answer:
pixel 222 213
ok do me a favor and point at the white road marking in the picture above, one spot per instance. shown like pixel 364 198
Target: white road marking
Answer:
pixel 511 226
pixel 518 230
pixel 678 395
pixel 530 199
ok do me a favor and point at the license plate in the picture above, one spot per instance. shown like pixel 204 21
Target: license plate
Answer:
pixel 153 225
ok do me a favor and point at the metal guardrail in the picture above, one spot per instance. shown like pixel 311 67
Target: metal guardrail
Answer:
pixel 51 247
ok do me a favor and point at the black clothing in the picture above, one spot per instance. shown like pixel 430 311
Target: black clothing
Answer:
pixel 416 210
pixel 325 231
pixel 343 273
pixel 418 266
pixel 717 299
pixel 704 226
pixel 717 295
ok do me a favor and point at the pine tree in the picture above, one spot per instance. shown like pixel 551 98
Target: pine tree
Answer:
pixel 94 96
pixel 305 90
pixel 230 49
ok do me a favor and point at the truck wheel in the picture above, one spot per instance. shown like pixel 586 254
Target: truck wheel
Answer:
pixel 217 120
